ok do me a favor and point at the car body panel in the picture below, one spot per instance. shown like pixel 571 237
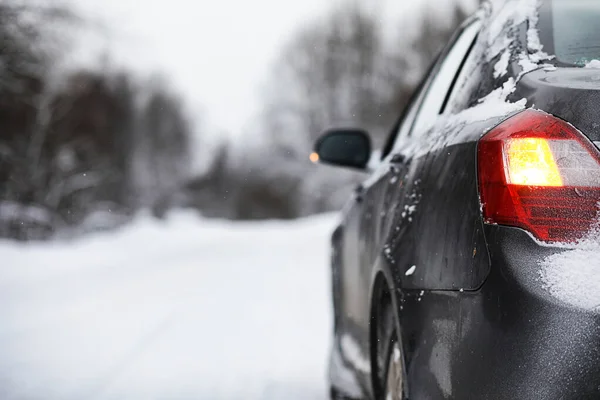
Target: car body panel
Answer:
pixel 572 94
pixel 511 327
pixel 394 212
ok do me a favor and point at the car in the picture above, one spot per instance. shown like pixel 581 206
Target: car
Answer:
pixel 446 264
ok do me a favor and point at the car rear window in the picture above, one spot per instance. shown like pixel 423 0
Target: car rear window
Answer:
pixel 571 28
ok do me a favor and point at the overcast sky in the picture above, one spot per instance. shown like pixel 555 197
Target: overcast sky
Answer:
pixel 216 53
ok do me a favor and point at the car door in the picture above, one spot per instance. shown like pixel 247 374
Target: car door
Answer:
pixel 382 206
pixel 436 246
pixel 404 189
pixel 357 249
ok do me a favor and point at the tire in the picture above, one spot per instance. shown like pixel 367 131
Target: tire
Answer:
pixel 391 372
pixel 395 377
pixel 336 395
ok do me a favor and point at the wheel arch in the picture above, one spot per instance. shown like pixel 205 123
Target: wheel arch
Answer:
pixel 382 301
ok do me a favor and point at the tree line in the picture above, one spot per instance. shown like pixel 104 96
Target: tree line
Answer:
pixel 341 69
pixel 73 144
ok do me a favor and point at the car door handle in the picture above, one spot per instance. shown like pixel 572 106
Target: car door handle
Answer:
pixel 398 159
pixel 358 193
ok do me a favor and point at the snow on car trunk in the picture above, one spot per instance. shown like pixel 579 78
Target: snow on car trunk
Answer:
pixel 185 308
pixel 573 276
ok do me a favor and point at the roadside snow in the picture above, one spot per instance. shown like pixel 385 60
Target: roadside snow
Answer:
pixel 185 308
pixel 341 376
pixel 573 276
pixel 352 351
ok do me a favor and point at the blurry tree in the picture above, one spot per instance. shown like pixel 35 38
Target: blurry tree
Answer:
pixel 329 73
pixel 69 144
pixel 26 51
pixel 341 70
pixel 435 32
pixel 89 143
pixel 117 144
pixel 162 158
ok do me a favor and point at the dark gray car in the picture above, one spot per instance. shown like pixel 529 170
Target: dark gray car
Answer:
pixel 467 265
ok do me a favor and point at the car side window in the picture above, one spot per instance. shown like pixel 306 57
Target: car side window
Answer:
pixel 458 96
pixel 434 95
pixel 441 85
pixel 403 124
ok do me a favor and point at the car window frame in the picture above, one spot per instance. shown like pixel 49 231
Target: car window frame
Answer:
pixel 406 128
pixel 465 36
pixel 468 66
pixel 407 113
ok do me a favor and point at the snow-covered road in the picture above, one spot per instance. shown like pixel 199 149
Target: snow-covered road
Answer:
pixel 182 309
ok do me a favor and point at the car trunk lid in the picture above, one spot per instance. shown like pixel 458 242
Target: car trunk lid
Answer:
pixel 572 94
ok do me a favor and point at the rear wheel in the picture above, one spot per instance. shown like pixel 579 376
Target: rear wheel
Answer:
pixel 394 387
pixel 336 395
pixel 390 380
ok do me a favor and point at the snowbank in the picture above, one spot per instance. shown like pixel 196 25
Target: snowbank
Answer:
pixel 186 308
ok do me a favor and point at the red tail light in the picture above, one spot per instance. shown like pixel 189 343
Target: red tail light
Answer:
pixel 541 174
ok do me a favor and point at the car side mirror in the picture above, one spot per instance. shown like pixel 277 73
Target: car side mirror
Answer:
pixel 343 147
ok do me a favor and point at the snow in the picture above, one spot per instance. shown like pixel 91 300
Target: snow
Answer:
pixel 185 308
pixel 593 64
pixel 573 276
pixel 341 376
pixel 501 67
pixel 515 12
pixel 410 210
pixel 354 355
pixel 527 64
pixel 493 105
pixel 411 270
pixel 11 210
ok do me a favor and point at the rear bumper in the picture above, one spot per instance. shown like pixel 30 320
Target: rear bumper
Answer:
pixel 511 339
pixel 536 338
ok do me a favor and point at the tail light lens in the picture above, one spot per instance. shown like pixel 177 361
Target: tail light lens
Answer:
pixel 541 174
